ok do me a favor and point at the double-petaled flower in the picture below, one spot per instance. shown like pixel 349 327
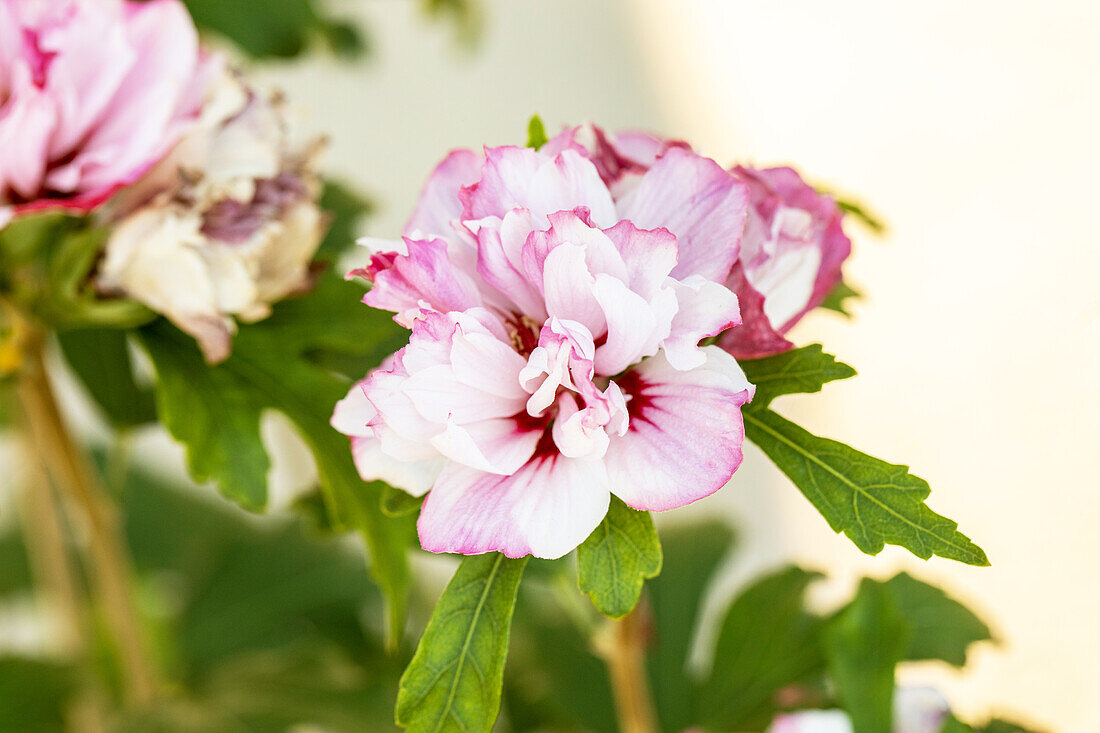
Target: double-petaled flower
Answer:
pixel 557 301
pixel 555 353
pixel 92 94
pixel 791 251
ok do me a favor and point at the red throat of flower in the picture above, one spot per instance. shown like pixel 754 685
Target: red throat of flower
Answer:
pixel 524 333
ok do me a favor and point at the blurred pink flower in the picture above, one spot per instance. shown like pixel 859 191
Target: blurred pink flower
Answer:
pixel 791 251
pixel 791 255
pixel 92 94
pixel 916 710
pixel 554 358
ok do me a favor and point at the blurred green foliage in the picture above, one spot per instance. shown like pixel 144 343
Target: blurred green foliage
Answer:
pixel 215 410
pixel 100 358
pixel 347 208
pixel 277 28
pixel 261 624
pixel 285 29
pixel 46 263
pixel 838 297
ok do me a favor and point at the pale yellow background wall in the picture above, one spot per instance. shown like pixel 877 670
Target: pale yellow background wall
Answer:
pixel 972 128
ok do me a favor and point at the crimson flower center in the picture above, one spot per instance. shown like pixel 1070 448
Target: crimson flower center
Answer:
pixel 523 331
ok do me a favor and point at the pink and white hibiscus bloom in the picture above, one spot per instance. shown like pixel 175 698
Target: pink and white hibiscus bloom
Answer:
pixel 92 94
pixel 793 244
pixel 554 358
pixel 916 710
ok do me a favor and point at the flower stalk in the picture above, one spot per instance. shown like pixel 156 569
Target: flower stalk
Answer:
pixel 72 473
pixel 622 646
pixel 57 583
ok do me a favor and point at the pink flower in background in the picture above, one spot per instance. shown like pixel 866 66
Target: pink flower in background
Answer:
pixel 92 94
pixel 791 255
pixel 793 244
pixel 554 358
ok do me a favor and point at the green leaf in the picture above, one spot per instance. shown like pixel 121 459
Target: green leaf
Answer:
pixel 553 681
pixel 835 300
pixel 999 725
pixel 692 554
pixel 863 645
pixel 46 264
pixel 954 725
pixel 802 370
pixel 347 208
pixel 398 503
pixel 33 694
pixel 871 501
pixel 23 240
pixel 215 412
pixel 615 560
pixel 942 628
pixel 453 682
pixel 7 406
pixel 100 358
pixel 70 300
pixel 536 133
pixel 463 13
pixel 274 28
pixel 862 214
pixel 767 641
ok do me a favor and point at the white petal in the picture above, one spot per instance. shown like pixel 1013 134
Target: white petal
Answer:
pixel 686 433
pixel 414 477
pixel 545 509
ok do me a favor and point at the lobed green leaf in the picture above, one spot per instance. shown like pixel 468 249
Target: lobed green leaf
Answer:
pixel 615 560
pixel 215 412
pixel 954 725
pixel 873 502
pixel 453 683
pixel 797 371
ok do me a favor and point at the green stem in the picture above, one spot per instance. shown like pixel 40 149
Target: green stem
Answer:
pixel 622 647
pixel 74 476
pixel 58 587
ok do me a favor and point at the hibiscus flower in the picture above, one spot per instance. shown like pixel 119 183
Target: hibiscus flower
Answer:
pixel 555 353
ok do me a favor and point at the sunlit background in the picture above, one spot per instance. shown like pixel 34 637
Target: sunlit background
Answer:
pixel 971 128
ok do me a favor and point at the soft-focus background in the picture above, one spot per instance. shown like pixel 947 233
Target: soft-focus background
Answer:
pixel 970 127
